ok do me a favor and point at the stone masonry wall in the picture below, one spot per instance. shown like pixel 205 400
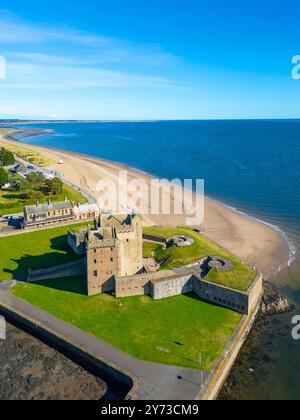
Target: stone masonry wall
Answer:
pixel 173 287
pixel 139 285
pixel 255 293
pixel 162 285
pixel 102 266
pixel 73 269
pixel 229 298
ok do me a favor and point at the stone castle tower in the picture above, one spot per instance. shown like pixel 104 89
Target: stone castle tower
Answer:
pixel 114 248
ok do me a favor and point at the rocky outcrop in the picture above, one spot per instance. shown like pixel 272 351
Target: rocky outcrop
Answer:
pixel 273 303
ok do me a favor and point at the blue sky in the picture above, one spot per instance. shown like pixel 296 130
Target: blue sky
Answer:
pixel 164 59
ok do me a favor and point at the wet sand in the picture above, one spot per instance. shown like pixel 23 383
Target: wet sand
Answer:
pixel 30 370
pixel 252 241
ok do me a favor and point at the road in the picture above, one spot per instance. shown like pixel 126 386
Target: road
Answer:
pixel 155 381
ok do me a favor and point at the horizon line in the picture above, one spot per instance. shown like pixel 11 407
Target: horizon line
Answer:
pixel 67 120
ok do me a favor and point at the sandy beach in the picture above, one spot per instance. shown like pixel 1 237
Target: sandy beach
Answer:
pixel 253 242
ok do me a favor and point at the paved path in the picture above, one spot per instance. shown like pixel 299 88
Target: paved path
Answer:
pixel 156 382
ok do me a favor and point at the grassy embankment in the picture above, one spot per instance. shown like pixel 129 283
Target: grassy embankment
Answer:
pixel 239 278
pixel 23 152
pixel 172 331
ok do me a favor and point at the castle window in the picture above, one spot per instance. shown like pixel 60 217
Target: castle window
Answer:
pixel 95 261
pixel 95 273
pixel 112 260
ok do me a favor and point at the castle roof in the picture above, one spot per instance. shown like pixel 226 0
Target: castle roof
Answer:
pixel 118 221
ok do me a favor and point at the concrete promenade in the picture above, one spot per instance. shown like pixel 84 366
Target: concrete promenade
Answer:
pixel 151 381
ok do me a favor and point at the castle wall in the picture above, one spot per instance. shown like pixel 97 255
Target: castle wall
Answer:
pixel 78 247
pixel 73 269
pixel 175 286
pixel 131 251
pixel 139 285
pixel 255 293
pixel 222 296
pixel 163 285
pixel 153 238
pixel 102 267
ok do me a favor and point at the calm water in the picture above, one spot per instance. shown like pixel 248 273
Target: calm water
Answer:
pixel 252 166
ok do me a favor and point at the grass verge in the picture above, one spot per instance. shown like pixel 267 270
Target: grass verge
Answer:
pixel 172 331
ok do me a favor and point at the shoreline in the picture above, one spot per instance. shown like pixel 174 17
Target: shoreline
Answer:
pixel 282 233
pixel 241 234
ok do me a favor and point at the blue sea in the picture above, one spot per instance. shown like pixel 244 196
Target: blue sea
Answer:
pixel 253 166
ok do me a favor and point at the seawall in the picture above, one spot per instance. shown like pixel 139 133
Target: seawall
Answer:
pixel 221 371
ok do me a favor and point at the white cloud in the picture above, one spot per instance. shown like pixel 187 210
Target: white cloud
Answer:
pixel 17 31
pixel 37 76
pixel 101 49
pixel 81 60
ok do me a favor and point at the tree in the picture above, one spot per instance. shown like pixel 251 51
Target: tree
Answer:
pixel 21 185
pixel 37 195
pixel 37 181
pixel 54 186
pixel 6 157
pixel 4 177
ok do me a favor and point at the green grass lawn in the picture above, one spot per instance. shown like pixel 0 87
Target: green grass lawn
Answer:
pixel 13 202
pixel 239 278
pixel 172 331
pixel 150 249
pixel 41 249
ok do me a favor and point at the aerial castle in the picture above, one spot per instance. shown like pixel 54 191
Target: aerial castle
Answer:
pixel 114 248
pixel 112 262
